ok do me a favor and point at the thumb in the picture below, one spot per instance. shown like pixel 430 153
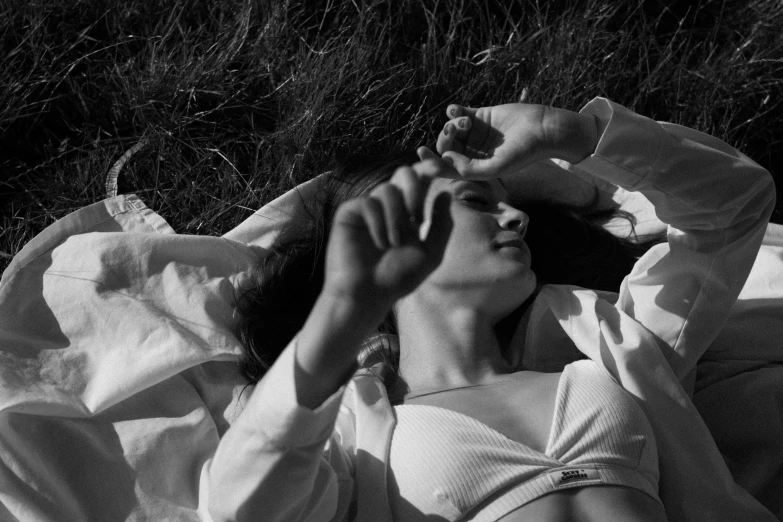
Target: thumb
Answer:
pixel 425 153
pixel 440 228
pixel 468 167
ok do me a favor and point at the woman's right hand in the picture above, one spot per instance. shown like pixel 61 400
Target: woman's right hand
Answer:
pixel 375 255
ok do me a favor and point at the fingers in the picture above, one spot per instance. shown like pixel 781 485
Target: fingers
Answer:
pixel 425 153
pixel 434 166
pixel 398 225
pixel 466 143
pixel 394 209
pixel 456 131
pixel 475 168
pixel 373 215
pixel 454 134
pixel 454 111
pixel 470 168
pixel 413 186
pixel 440 227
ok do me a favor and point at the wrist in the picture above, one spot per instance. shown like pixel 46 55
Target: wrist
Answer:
pixel 355 299
pixel 331 338
pixel 329 344
pixel 348 309
pixel 573 136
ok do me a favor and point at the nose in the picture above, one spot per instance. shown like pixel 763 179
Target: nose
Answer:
pixel 513 219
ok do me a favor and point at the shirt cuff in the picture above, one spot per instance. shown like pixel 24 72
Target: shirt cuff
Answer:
pixel 280 417
pixel 628 147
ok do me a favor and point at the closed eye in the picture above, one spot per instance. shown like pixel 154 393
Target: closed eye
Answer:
pixel 474 198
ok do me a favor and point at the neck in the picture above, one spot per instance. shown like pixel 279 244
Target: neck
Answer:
pixel 444 346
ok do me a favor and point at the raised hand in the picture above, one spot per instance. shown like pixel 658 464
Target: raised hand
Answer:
pixel 375 254
pixel 374 257
pixel 500 141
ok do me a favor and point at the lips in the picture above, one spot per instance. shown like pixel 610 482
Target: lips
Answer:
pixel 514 247
pixel 510 240
pixel 516 243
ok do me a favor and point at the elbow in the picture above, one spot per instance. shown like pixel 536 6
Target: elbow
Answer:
pixel 766 194
pixel 754 200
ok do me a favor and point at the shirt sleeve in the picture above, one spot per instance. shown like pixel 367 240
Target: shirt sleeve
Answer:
pixel 279 460
pixel 716 203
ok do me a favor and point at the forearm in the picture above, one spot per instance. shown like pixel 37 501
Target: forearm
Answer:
pixel 716 202
pixel 329 343
pixel 696 181
pixel 546 182
pixel 573 138
pixel 272 460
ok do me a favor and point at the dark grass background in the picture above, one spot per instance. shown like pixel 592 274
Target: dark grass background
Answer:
pixel 236 102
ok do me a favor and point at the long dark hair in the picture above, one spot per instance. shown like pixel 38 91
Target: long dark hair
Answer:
pixel 568 248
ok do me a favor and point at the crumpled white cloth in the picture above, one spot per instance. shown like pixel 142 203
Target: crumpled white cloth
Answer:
pixel 118 360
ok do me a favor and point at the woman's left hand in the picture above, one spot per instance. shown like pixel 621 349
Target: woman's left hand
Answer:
pixel 501 141
pixel 375 255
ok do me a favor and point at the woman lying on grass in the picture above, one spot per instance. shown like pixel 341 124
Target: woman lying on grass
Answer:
pixel 472 429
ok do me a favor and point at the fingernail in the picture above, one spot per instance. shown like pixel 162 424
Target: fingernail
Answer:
pixel 462 123
pixel 453 111
pixel 446 130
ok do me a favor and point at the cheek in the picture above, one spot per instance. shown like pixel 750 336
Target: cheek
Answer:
pixel 471 236
pixel 470 242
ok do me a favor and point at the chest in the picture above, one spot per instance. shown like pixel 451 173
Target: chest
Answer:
pixel 497 447
pixel 522 408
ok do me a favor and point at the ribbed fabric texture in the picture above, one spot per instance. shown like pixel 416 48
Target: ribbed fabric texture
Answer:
pixel 448 464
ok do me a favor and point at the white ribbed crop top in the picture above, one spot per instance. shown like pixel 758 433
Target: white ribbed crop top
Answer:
pixel 448 464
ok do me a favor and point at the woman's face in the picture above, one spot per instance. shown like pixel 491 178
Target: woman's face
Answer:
pixel 486 258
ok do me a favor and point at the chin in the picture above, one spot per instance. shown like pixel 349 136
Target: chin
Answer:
pixel 518 275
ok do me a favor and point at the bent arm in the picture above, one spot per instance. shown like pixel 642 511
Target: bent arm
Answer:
pixel 282 458
pixel 716 203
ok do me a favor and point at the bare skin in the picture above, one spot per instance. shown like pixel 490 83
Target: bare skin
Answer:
pixel 448 342
pixel 523 410
pixel 448 254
